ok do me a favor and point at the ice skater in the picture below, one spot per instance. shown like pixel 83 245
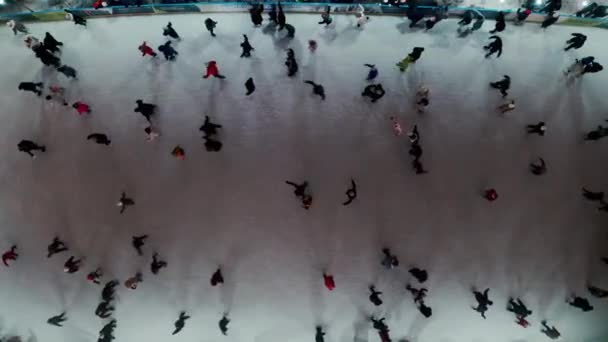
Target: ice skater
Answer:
pixel 151 133
pixel 412 57
pixel 208 127
pixel 540 168
pixel 255 12
pixel 104 310
pixel 518 308
pixel 57 320
pixel 325 17
pixel 223 324
pixel 157 264
pixel 397 129
pixel 592 67
pixel 250 86
pixel 56 93
pixel 420 274
pixel 593 195
pixel 181 322
pixel 597 292
pixel 413 14
pixel 16 26
pixel 494 46
pixel 50 43
pixel 415 151
pixel 291 30
pixel 95 276
pixel 374 297
pixel 27 146
pixel 99 138
pixel 11 254
pixel 550 20
pixel 56 246
pixel 551 332
pixel 319 334
pixel 306 201
pixel 351 193
pixel 425 310
pixel 378 324
pixel 418 167
pixel 272 14
pixel 490 195
pixel 212 70
pixel 580 303
pixel 68 71
pixel 31 86
pixel 72 265
pixel 281 20
pixel 107 294
pixel 538 128
pixel 500 23
pixel 502 85
pixel 168 51
pixel 507 106
pixel 81 108
pixel 299 189
pixel 138 242
pixel 134 281
pixel 521 15
pixel 78 19
pixel 217 277
pixel 210 26
pixel 362 19
pixel 106 332
pixel 422 99
pixel 317 89
pixel 145 109
pixel 597 134
pixel 414 135
pixel 146 50
pixel 124 202
pixel 292 65
pixel 178 152
pixel 312 45
pixel 390 260
pixel 438 13
pixel 212 145
pixel 328 280
pixel 483 301
pixel 417 294
pixel 45 56
pixel 247 48
pixel 170 31
pixel 372 73
pixel 374 92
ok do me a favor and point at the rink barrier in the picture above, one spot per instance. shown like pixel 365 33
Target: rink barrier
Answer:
pixel 293 7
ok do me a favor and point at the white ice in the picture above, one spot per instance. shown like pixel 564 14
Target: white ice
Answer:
pixel 540 240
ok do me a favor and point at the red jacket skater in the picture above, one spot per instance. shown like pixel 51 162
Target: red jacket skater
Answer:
pixel 329 282
pixel 9 255
pixel 81 108
pixel 212 69
pixel 146 50
pixel 490 195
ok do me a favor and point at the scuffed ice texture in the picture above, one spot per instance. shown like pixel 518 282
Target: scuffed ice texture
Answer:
pixel 540 240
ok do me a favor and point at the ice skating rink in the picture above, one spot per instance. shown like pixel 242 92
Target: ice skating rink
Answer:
pixel 540 240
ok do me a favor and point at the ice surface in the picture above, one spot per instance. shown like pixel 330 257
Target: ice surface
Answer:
pixel 540 240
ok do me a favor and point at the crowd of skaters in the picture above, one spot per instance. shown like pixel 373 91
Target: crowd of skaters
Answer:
pixel 49 50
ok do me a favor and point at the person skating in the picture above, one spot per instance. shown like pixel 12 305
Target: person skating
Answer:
pixel 210 25
pixel 81 108
pixel 538 128
pixel 415 151
pixel 417 294
pixel 502 85
pixel 45 56
pixel 250 86
pixel 317 89
pixel 418 167
pixel 518 308
pixel 412 57
pixel 99 138
pixel 579 302
pixel 374 297
pixel 540 168
pixel 414 136
pixel 397 129
pixel 124 202
pixel 292 65
pixel 413 14
pixel 223 324
pixel 362 19
pixel 157 264
pixel 422 99
pixel 78 19
pixel 56 246
pixel 593 10
pixel 425 310
pixel 351 192
pixel 170 31
pixel 483 301
pixel 592 67
pixel 467 18
pixel 306 201
pixel 312 45
pixel 72 265
pixel 151 133
pixel 325 17
pixel 181 322
pixel 56 93
pixel 597 134
pixel 372 73
pixel 420 274
pixel 57 320
pixel 145 109
pixel 212 70
pixel 106 332
pixel 494 46
pixel 551 332
pixel 31 86
pixel 500 23
pixel 328 280
pixel 550 20
pixel 507 106
pixel 95 276
pixel 134 281
pixel 378 324
pixel 247 48
pixel 439 13
pixel 208 127
pixel 255 12
pixel 217 277
pixel 138 242
pixel 178 152
pixel 597 292
pixel 212 145
pixel 281 17
pixel 107 294
pixel 490 195
pixel 551 6
pixel 146 50
pixel 521 15
pixel 50 43
pixel 319 334
pixel 272 14
pixel 374 92
pixel 299 189
pixel 389 260
pixel 27 146
pixel 593 195
pixel 16 26
pixel 168 51
pixel 478 22
pixel 291 30
pixel 11 254
pixel 104 310
pixel 68 71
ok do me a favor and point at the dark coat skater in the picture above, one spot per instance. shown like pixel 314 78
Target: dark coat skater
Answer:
pixel 45 56
pixel 439 13
pixel 223 324
pixel 11 254
pixel 389 261
pixel 181 322
pixel 593 10
pixel 374 92
pixel 157 264
pixel 208 127
pixel 57 320
pixel 540 168
pixel 494 46
pixel 125 202
pixel 351 193
pixel 250 86
pixel 417 294
pixel 99 138
pixel 292 65
pixel 72 265
pixel 319 334
pixel 500 23
pixel 255 13
pixel 518 308
pixel 210 26
pixel 317 89
pixel 598 133
pixel 107 294
pixel 551 332
pixel 17 26
pixel 374 297
pixel 325 17
pixel 550 20
pixel 467 18
pixel 418 167
pixel 145 109
pixel 247 48
pixel 138 242
pixel 291 31
pixel 538 128
pixel 217 277
pixel 28 146
pixel 425 310
pixel 50 43
pixel 31 86
pixel 413 14
pixel 502 85
pixel 68 71
pixel 170 31
pixel 597 292
pixel 281 18
pixel 592 67
pixel 78 19
pixel 272 14
pixel 57 246
pixel 552 6
pixel 483 301
pixel 593 195
pixel 420 274
pixel 168 51
pixel 580 302
pixel 107 331
pixel 300 189
pixel 372 73
pixel 104 310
